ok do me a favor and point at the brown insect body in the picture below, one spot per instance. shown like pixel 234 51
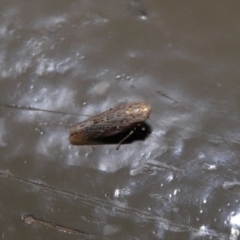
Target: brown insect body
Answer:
pixel 110 122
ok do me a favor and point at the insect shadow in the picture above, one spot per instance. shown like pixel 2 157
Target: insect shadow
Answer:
pixel 139 133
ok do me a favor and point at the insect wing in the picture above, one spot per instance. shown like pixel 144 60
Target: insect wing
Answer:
pixel 102 125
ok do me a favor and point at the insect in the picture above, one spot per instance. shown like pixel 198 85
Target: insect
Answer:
pixel 111 122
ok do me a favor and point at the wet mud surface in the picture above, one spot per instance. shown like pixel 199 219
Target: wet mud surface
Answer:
pixel 62 60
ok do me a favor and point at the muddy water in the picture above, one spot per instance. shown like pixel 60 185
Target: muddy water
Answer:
pixel 83 57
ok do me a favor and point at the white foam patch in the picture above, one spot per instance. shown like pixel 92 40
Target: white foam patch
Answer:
pixel 100 88
pixel 110 229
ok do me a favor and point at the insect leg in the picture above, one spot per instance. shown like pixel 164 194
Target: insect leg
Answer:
pixel 124 139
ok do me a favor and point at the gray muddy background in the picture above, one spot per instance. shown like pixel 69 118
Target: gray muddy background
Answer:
pixel 83 57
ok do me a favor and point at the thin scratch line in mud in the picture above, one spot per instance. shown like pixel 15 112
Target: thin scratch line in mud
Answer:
pixel 234 152
pixel 28 108
pixel 182 172
pixel 166 96
pixel 211 135
pixel 204 133
pixel 104 204
pixel 161 165
pixel 33 220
